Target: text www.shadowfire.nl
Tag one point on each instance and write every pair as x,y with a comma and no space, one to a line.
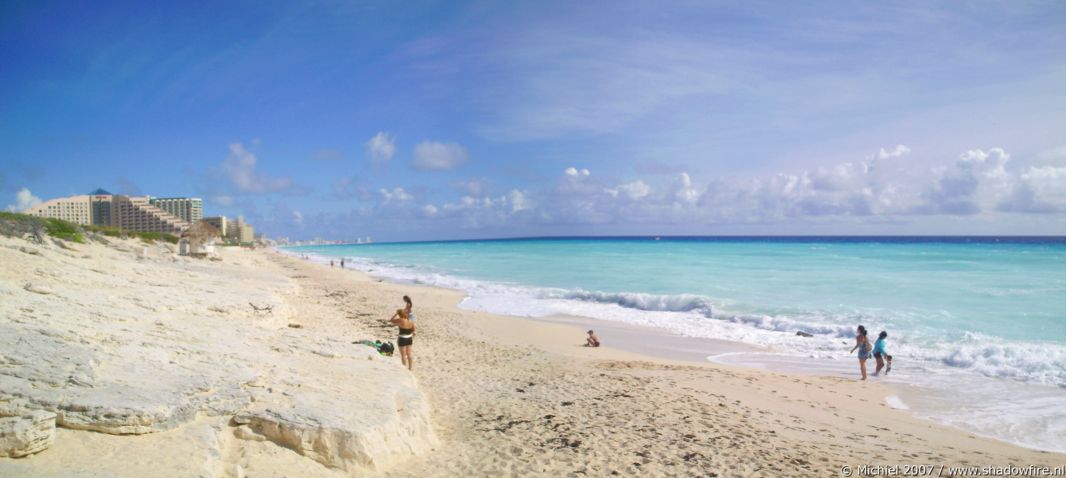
948,470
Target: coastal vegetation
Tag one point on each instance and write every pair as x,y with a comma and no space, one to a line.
18,224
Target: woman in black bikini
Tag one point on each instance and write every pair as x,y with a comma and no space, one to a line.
407,336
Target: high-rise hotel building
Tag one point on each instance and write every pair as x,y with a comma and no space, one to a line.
101,208
190,210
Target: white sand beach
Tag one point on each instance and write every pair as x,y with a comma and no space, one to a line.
150,364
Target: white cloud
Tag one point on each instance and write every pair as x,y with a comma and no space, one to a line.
381,147
297,217
971,184
899,151
635,190
1038,190
577,173
24,200
518,201
240,168
684,191
432,155
870,191
397,194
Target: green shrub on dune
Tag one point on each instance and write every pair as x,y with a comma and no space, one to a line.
69,231
64,230
106,230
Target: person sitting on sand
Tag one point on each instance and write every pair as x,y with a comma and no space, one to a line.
863,344
879,352
592,340
406,338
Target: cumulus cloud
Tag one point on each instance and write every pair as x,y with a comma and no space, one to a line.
900,150
877,188
518,201
978,177
240,168
577,173
476,212
397,194
1039,189
431,155
381,147
684,191
635,190
24,200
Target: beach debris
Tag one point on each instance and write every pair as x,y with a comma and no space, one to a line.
804,334
38,289
266,308
29,250
294,325
27,434
566,442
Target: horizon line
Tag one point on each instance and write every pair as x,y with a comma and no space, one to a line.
723,236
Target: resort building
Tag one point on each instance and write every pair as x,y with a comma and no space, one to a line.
101,208
100,201
190,210
221,224
244,232
135,213
76,209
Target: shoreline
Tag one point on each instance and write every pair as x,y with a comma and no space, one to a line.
547,333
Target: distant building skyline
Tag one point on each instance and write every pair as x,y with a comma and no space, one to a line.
132,213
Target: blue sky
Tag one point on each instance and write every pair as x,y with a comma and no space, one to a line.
434,120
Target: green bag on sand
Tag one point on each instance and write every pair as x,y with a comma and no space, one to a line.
383,348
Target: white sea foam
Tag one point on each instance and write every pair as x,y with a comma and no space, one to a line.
699,316
895,402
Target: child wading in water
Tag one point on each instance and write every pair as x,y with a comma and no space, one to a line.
879,353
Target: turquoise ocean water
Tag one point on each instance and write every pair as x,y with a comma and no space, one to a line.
981,316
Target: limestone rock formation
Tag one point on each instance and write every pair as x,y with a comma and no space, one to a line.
150,346
27,434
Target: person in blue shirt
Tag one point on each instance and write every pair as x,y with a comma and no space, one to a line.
879,352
